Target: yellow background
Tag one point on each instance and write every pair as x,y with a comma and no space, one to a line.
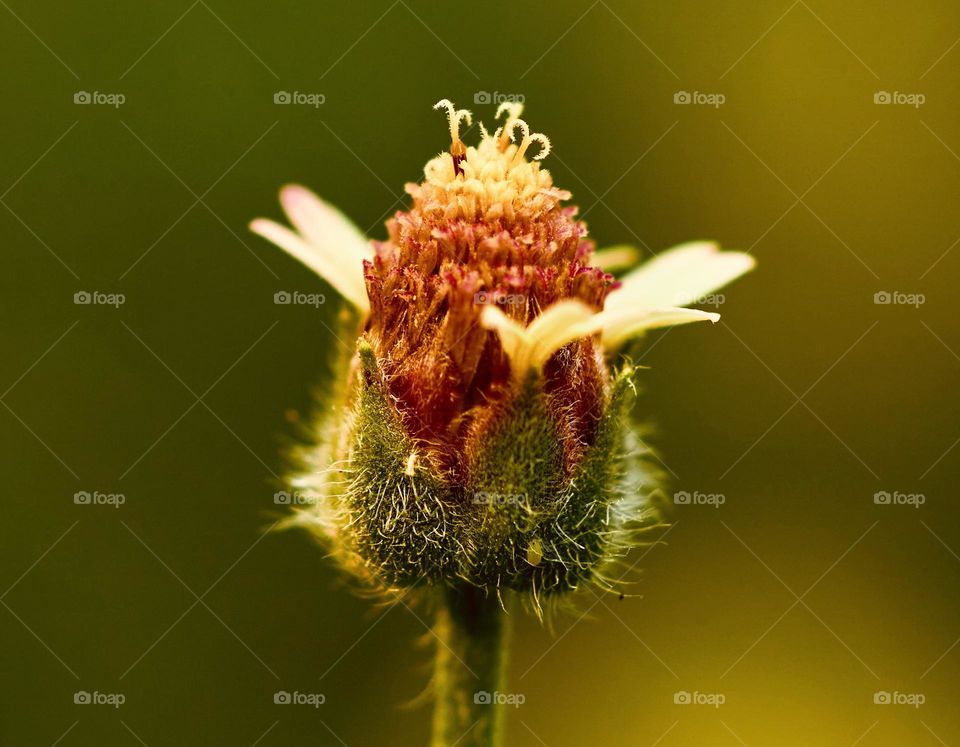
797,599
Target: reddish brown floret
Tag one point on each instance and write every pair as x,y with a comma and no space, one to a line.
427,287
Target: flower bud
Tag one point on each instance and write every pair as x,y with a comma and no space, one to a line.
481,432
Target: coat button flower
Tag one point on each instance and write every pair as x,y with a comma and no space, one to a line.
481,432
477,443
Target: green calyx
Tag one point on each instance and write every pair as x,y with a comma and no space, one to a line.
522,521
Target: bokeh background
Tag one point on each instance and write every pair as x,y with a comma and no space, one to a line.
796,600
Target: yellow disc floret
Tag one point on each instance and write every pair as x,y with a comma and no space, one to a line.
494,179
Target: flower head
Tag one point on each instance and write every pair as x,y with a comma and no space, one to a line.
483,434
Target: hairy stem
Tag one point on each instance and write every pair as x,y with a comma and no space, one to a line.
471,630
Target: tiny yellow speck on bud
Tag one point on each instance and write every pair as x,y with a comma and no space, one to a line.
535,552
411,464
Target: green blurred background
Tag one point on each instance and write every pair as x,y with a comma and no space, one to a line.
797,599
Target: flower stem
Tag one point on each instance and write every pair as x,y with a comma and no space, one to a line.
471,630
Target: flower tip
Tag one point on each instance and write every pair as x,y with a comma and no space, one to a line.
258,225
292,195
744,258
513,109
490,317
617,257
368,361
365,350
737,264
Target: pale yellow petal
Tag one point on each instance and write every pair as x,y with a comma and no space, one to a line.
612,258
323,225
531,347
346,278
680,276
513,337
560,324
619,325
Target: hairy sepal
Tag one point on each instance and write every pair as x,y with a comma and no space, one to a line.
523,519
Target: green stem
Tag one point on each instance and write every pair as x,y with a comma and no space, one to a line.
471,630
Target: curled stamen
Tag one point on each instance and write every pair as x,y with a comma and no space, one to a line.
454,116
536,137
513,109
511,127
539,137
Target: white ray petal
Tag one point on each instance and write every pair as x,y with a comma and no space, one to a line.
674,260
328,242
617,257
513,337
558,325
618,325
347,280
680,276
322,224
721,269
531,347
